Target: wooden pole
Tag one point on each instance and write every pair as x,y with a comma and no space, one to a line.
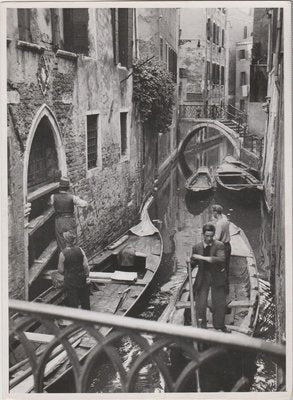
193,317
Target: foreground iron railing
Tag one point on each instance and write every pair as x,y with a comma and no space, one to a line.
153,342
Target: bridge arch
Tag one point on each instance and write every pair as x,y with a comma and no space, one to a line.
192,128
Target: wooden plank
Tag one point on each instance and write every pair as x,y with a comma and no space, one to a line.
27,384
36,223
40,264
239,303
39,337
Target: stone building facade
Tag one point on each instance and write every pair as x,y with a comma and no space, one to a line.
157,37
242,72
70,112
239,27
203,56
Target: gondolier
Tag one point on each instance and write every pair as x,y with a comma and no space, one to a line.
223,235
73,265
63,203
209,255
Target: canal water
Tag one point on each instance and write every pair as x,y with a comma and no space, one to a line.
181,218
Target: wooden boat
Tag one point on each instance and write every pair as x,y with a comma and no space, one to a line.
237,182
240,164
200,181
243,298
242,301
123,273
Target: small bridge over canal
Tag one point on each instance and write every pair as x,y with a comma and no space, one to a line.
227,120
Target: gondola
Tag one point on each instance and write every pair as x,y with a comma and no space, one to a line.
242,301
200,181
122,272
240,164
237,182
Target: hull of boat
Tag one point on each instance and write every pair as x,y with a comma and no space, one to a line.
247,194
119,296
242,304
200,182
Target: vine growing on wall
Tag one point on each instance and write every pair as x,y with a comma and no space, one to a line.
153,93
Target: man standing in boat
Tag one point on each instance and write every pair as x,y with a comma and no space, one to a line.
73,264
223,235
63,203
209,255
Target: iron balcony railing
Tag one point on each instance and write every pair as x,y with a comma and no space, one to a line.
38,368
228,115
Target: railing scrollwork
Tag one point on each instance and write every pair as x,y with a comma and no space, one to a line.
93,338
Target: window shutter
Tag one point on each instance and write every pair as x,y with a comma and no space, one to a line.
80,31
24,20
130,38
55,18
68,29
114,20
123,35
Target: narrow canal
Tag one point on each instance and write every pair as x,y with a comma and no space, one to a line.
181,219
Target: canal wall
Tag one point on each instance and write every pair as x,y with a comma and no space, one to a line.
65,91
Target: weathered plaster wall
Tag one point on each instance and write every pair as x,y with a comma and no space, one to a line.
75,88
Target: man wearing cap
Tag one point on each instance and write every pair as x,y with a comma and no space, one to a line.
73,264
63,203
223,235
209,256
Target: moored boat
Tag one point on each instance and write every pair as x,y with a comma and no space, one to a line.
200,181
240,164
122,274
242,301
237,182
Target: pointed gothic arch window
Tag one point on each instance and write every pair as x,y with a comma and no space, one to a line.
43,159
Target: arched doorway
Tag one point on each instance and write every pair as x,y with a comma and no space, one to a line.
44,163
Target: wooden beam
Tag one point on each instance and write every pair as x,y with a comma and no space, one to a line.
39,337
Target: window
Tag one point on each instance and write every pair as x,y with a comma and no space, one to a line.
92,141
123,133
194,96
222,75
242,54
24,21
161,48
208,70
172,65
218,35
242,104
243,78
214,32
122,27
245,32
223,38
217,74
43,160
75,21
209,29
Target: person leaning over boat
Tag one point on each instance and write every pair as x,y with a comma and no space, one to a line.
223,235
73,264
209,255
63,203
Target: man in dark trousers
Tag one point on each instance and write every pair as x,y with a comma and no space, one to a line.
209,255
63,203
223,235
73,265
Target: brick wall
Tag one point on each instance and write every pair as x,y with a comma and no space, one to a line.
75,87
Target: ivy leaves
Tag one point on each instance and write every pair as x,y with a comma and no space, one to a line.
153,93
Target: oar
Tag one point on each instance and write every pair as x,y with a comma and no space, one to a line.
193,317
